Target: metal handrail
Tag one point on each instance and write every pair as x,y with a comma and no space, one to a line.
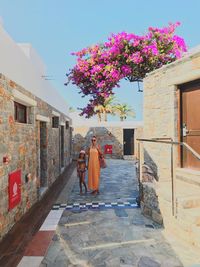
191,150
168,141
161,140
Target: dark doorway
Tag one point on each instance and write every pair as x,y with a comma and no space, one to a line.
190,123
62,146
128,142
43,154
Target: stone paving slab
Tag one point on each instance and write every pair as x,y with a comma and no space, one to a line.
108,237
117,182
104,239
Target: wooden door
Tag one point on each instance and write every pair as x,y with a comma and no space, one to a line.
128,141
190,110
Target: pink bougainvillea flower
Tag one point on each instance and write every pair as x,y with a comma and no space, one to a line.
100,68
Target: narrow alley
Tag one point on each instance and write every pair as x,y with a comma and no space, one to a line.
103,230
107,95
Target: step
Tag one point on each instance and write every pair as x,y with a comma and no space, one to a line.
187,195
189,202
187,224
187,253
183,230
188,175
187,217
182,190
190,215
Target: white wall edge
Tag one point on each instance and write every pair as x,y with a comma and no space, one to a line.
29,75
23,99
62,124
194,75
55,113
42,118
30,261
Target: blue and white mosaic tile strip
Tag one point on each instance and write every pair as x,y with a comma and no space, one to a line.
94,205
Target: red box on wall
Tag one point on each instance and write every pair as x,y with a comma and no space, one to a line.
108,149
14,189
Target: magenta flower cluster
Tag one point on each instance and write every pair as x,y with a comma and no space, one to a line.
99,68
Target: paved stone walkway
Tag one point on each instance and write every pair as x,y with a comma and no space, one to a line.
112,237
118,183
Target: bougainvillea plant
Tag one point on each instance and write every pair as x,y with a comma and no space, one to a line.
100,68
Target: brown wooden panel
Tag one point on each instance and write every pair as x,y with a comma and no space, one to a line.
193,132
191,118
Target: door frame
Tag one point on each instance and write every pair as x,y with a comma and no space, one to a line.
182,87
133,152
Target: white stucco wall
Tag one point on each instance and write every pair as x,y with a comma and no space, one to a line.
32,55
26,69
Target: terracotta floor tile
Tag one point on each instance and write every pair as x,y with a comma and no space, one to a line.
39,244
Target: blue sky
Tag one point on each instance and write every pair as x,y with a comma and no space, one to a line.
56,28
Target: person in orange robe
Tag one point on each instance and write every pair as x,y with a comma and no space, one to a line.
94,153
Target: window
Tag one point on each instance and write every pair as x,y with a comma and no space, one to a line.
55,122
20,112
66,125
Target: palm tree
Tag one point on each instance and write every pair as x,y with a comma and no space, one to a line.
99,110
106,108
124,110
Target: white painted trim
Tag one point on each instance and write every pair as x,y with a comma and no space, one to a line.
51,221
26,72
62,124
23,99
188,77
130,127
30,261
42,118
55,113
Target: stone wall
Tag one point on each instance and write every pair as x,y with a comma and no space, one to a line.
20,143
105,135
161,113
149,202
111,135
161,108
